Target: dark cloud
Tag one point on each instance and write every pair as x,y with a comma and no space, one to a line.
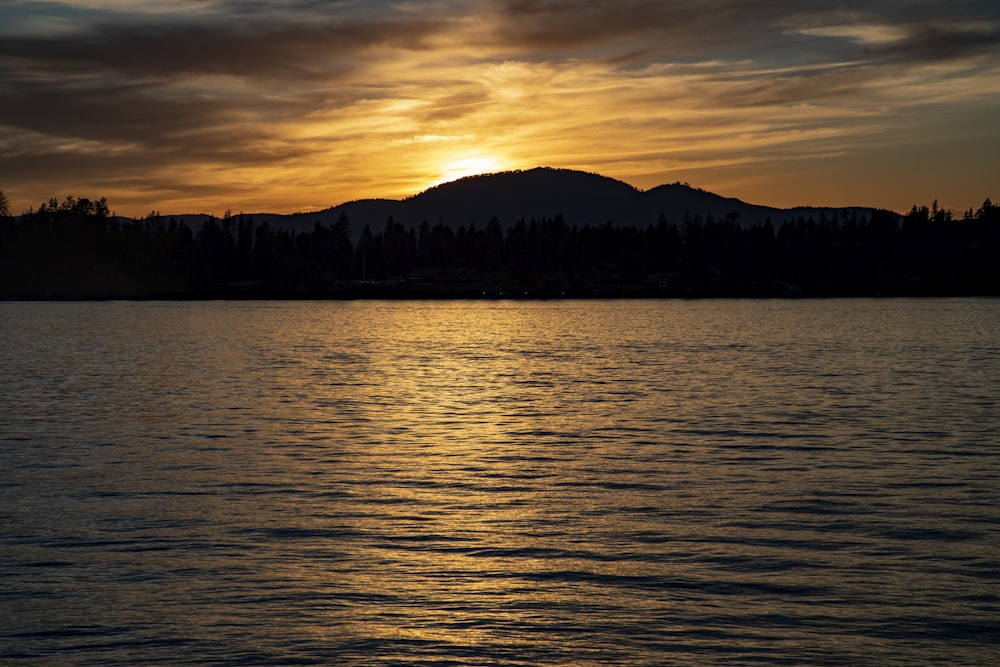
755,29
780,52
137,83
260,7
933,43
140,114
257,50
97,109
806,85
552,25
456,105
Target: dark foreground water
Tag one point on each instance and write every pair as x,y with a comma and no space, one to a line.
512,483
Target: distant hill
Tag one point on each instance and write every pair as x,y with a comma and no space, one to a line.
607,244
581,198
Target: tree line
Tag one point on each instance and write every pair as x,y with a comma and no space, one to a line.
74,248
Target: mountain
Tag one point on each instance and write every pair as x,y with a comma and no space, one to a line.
581,198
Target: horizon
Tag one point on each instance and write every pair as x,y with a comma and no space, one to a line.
404,198
291,107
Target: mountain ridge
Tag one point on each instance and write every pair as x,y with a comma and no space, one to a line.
580,197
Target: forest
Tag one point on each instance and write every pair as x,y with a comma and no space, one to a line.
75,249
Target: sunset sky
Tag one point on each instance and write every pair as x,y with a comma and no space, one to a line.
298,105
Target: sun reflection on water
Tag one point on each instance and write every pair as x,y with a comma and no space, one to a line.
513,483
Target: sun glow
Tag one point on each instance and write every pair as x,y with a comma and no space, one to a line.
469,166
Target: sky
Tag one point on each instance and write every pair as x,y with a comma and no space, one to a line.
280,106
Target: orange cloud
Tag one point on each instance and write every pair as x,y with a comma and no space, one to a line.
213,105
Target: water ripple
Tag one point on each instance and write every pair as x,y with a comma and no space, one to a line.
500,483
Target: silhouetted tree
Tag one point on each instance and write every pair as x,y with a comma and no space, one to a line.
73,247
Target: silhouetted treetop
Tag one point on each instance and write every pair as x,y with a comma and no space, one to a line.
74,248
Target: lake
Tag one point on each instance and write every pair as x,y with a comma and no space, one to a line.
500,482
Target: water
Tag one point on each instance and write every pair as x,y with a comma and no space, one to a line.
501,483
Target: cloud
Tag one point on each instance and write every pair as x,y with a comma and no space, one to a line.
180,90
772,31
309,99
257,50
923,43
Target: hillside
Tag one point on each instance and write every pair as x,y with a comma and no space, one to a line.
581,198
74,250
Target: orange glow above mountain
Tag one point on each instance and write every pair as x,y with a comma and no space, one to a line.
469,167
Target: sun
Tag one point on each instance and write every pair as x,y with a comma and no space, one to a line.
469,166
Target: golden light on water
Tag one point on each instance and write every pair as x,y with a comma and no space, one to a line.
512,482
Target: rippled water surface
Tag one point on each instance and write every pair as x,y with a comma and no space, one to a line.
501,483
